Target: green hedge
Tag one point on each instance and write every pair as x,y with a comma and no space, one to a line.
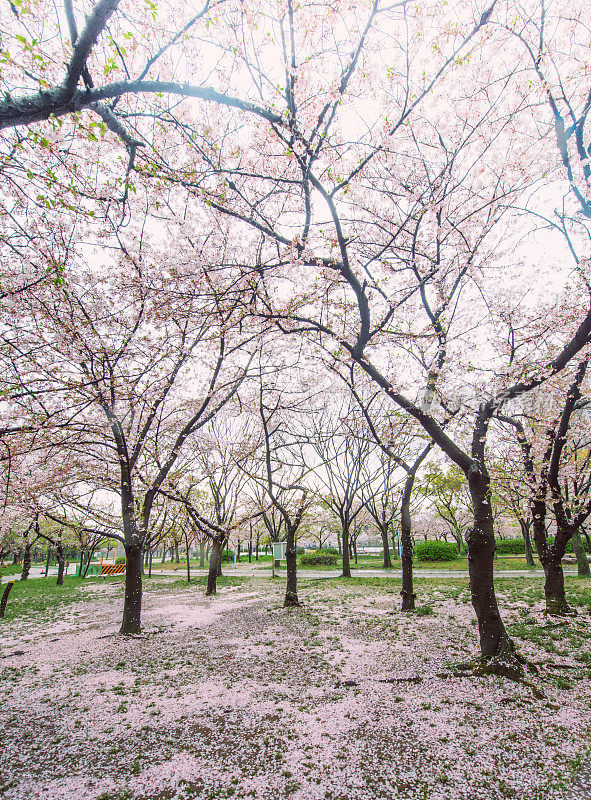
570,547
119,560
319,557
436,551
515,546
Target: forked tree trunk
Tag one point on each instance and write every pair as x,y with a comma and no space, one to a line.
291,561
61,562
550,558
214,565
132,606
581,554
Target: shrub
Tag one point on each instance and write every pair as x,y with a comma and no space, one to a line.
436,551
319,557
333,550
570,548
510,546
119,560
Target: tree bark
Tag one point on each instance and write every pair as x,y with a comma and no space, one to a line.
529,554
4,600
386,545
214,566
61,561
582,562
550,558
346,558
291,561
495,644
177,557
188,557
132,607
407,592
26,562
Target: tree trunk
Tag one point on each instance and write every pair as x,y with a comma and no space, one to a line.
81,562
524,524
355,549
291,561
26,562
201,555
177,558
495,644
386,546
550,558
214,564
582,563
188,557
150,565
47,560
132,607
90,555
407,592
345,548
61,561
556,602
4,600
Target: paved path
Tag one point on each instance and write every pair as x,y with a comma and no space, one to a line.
249,571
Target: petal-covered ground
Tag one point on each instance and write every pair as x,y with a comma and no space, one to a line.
235,697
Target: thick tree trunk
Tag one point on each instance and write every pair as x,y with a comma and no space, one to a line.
386,545
407,592
495,644
214,559
61,561
556,602
582,562
346,559
132,607
26,563
177,558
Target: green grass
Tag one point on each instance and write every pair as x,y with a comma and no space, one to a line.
41,595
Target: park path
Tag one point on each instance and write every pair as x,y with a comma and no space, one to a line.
249,571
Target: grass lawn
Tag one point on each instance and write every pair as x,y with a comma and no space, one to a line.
345,698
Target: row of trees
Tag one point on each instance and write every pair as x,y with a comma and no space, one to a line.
401,190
